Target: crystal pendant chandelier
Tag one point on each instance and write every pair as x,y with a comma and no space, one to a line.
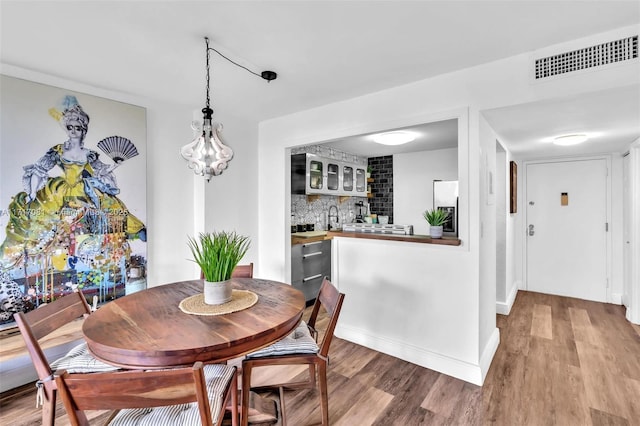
207,155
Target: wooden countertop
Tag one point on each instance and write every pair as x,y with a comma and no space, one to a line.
424,239
308,237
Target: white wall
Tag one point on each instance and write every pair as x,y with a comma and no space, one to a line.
497,84
413,176
519,228
508,248
411,301
486,186
632,290
274,210
514,258
170,196
230,198
502,191
615,228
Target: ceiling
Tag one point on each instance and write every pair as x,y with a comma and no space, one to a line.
428,136
323,52
611,120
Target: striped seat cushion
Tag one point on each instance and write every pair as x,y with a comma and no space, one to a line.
298,342
217,379
80,360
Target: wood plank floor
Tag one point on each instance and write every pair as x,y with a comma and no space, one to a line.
561,361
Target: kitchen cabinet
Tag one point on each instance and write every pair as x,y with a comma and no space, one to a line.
310,263
361,184
313,174
347,177
333,176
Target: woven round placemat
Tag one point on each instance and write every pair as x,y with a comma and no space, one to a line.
240,299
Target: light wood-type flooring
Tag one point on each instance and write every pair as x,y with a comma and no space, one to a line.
561,361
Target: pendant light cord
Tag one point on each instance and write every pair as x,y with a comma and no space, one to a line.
234,63
267,75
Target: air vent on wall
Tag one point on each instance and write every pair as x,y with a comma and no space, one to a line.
588,57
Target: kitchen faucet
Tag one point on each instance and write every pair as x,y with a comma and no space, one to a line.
330,216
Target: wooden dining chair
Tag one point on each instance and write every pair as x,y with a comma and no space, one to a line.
299,348
240,271
187,396
243,271
37,324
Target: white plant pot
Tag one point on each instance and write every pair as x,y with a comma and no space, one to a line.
217,293
435,231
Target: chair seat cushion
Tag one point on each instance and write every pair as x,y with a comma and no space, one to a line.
299,341
217,378
80,360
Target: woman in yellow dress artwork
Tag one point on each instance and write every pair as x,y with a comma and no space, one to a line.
71,222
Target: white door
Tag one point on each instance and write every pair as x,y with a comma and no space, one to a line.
566,228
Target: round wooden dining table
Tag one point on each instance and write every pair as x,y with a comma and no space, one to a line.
148,329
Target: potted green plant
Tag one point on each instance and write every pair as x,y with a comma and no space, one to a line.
369,170
436,219
217,254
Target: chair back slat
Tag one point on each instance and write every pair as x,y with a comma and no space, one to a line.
243,271
330,299
240,271
42,321
51,316
134,389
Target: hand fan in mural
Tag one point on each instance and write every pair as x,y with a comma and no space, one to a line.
118,148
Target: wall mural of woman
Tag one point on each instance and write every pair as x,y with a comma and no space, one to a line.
68,228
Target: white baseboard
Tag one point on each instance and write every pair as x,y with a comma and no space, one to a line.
489,352
616,298
17,372
463,370
632,316
504,308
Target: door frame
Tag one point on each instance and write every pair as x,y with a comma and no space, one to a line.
525,221
633,312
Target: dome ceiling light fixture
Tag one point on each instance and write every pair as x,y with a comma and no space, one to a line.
206,155
572,139
397,137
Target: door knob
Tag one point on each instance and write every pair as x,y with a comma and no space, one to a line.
531,231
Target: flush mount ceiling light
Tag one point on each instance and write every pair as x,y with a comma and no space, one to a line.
567,140
207,155
394,138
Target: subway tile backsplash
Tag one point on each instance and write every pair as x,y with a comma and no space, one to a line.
382,186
